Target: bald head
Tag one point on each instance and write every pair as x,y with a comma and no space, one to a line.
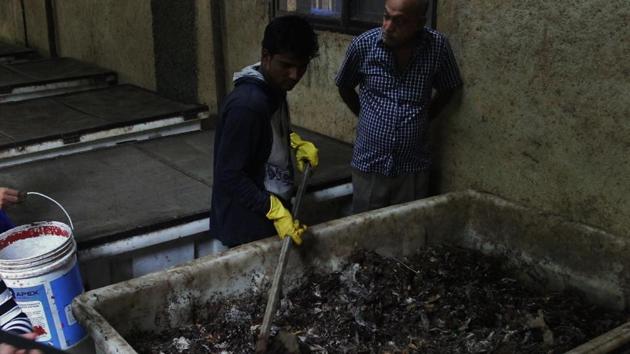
410,7
402,21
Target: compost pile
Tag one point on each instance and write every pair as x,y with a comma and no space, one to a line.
441,300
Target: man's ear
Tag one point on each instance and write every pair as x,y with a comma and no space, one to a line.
265,54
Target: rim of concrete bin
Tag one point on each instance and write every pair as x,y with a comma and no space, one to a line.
469,218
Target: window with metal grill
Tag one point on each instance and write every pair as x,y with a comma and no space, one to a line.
346,16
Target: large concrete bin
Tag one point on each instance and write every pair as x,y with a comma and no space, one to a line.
556,252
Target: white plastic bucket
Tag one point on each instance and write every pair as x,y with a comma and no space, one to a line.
39,263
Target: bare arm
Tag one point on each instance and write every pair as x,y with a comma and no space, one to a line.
350,98
439,101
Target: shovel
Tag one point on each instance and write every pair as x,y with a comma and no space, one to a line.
276,285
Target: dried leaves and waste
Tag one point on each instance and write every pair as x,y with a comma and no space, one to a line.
440,300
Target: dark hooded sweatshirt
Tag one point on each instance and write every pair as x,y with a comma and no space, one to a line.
243,143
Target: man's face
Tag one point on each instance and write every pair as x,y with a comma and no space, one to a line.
402,20
283,70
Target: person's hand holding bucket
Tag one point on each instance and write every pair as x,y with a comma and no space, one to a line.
38,261
8,196
9,349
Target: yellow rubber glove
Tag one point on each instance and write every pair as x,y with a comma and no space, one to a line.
305,151
283,221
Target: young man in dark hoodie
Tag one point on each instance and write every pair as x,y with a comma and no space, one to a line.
253,172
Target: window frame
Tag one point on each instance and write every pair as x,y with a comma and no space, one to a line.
344,24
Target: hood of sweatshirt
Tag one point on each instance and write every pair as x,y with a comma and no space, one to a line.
251,75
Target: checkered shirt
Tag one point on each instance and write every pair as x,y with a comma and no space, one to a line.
393,122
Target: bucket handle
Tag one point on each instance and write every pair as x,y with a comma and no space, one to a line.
56,202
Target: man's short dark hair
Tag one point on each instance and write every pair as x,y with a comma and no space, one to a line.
291,35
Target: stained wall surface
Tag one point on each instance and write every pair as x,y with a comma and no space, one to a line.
11,23
543,118
157,44
315,102
245,22
115,34
37,26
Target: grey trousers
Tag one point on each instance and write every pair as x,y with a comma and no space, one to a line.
373,190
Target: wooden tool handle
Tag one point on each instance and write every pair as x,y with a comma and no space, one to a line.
276,285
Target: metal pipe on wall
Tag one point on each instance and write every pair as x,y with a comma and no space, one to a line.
51,23
433,9
218,24
24,22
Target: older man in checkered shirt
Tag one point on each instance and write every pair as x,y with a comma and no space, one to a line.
396,67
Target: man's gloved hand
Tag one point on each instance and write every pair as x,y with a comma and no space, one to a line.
283,221
305,150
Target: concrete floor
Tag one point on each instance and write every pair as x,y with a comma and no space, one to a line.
113,192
